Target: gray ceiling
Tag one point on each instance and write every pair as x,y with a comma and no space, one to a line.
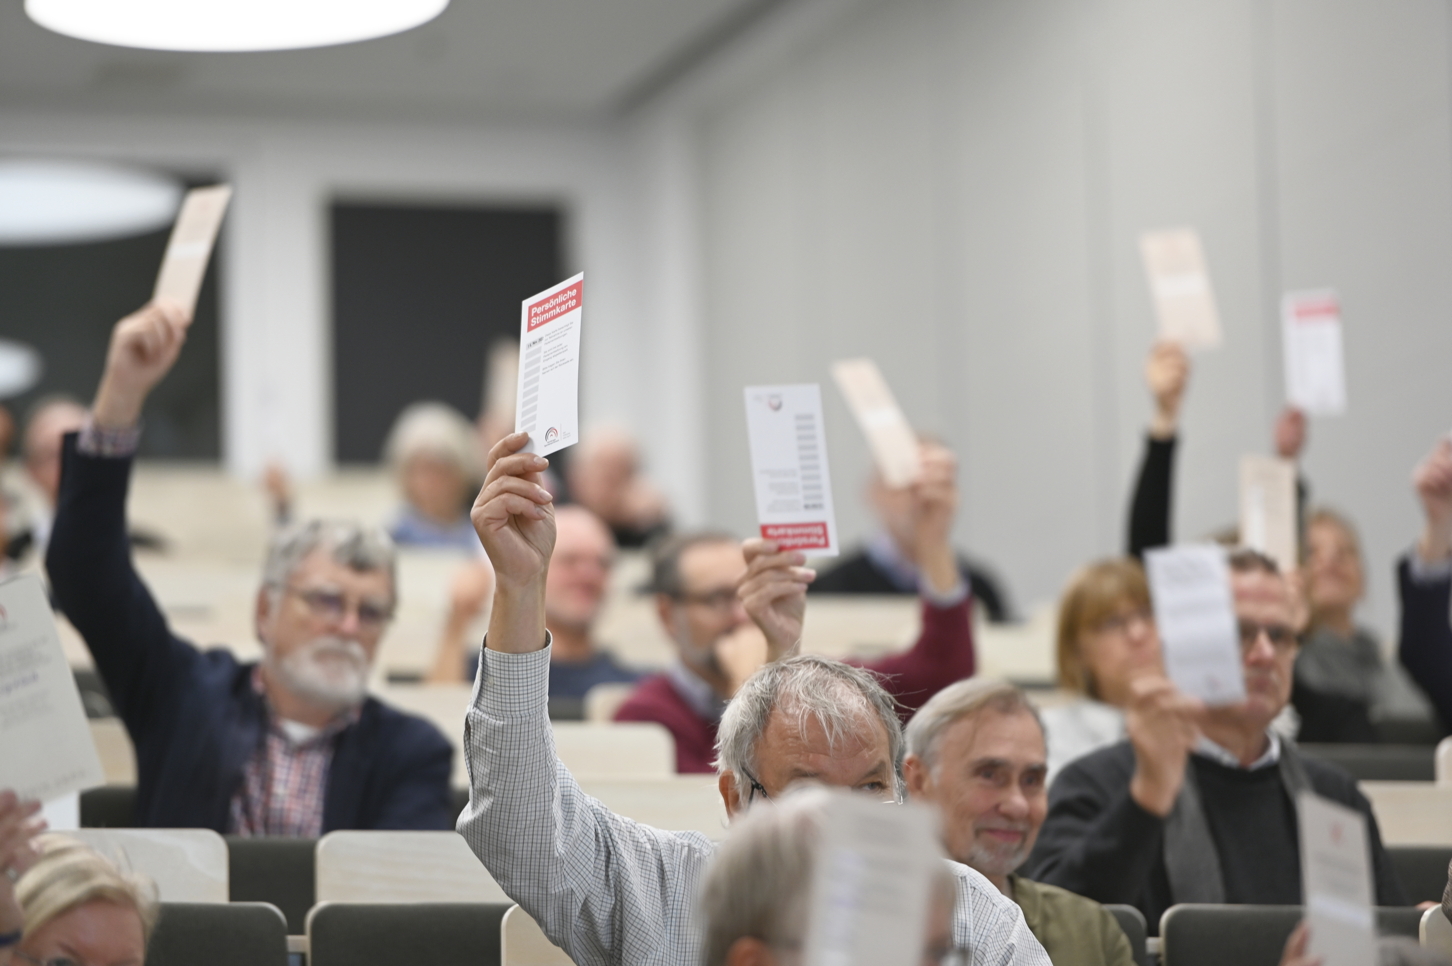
536,59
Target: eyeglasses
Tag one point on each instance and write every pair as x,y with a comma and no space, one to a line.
756,786
717,600
1282,638
331,606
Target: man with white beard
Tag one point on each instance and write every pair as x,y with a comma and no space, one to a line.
976,751
289,746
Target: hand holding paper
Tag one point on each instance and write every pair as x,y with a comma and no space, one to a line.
1163,725
1167,373
144,347
547,404
774,593
1433,482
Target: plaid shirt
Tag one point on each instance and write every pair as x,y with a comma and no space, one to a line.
605,888
284,781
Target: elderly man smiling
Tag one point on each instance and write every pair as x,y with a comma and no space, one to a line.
605,888
976,751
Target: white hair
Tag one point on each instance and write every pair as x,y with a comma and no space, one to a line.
436,430
956,702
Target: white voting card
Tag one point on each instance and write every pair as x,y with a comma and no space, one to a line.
547,404
190,247
1199,635
892,440
1315,364
46,749
1268,508
1179,282
872,884
1336,882
789,468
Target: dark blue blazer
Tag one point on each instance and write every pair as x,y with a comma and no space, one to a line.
1426,642
193,715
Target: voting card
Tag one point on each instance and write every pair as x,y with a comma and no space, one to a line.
1268,509
190,247
547,402
872,884
1336,882
789,468
1315,364
1179,282
892,440
1195,613
46,749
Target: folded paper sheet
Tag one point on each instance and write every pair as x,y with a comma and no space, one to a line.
1336,882
547,402
1315,362
872,885
1179,281
190,248
1199,636
1268,508
46,749
892,440
789,468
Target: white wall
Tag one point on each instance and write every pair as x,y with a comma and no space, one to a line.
956,186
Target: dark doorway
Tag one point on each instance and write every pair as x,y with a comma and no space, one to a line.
64,300
419,295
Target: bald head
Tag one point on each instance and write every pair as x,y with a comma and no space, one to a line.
579,571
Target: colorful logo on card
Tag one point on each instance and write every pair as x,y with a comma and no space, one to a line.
551,435
773,403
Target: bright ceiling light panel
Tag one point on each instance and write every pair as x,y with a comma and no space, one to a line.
44,202
20,368
234,25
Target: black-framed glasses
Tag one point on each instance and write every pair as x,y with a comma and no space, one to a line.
756,786
332,606
1282,638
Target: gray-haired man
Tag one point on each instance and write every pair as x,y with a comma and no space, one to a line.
976,750
605,888
291,746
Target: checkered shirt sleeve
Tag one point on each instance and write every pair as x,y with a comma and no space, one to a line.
606,889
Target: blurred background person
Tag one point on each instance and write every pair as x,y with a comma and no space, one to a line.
605,477
1106,638
1424,578
976,752
431,451
892,562
575,595
756,897
46,423
63,902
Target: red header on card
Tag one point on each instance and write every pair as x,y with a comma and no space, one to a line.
1316,310
797,536
553,306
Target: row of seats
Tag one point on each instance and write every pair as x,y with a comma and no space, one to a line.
486,934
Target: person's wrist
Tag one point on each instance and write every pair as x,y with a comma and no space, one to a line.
1164,423
115,407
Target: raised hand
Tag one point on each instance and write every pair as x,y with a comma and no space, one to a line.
18,828
514,514
144,347
1166,372
934,504
1290,433
1433,481
1163,726
774,592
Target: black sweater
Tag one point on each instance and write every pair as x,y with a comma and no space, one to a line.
1097,841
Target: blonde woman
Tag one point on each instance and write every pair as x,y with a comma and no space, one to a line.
1106,638
62,902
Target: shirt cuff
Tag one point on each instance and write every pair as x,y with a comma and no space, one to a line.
102,441
514,685
951,598
1428,573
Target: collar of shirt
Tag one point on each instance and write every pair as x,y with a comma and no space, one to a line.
1206,748
699,696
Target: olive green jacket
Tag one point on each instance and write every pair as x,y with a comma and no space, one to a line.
1075,931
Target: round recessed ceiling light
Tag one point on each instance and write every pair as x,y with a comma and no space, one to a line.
55,202
20,368
231,24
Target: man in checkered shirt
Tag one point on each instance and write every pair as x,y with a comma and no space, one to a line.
611,890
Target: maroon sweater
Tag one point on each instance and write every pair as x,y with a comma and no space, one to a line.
943,654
